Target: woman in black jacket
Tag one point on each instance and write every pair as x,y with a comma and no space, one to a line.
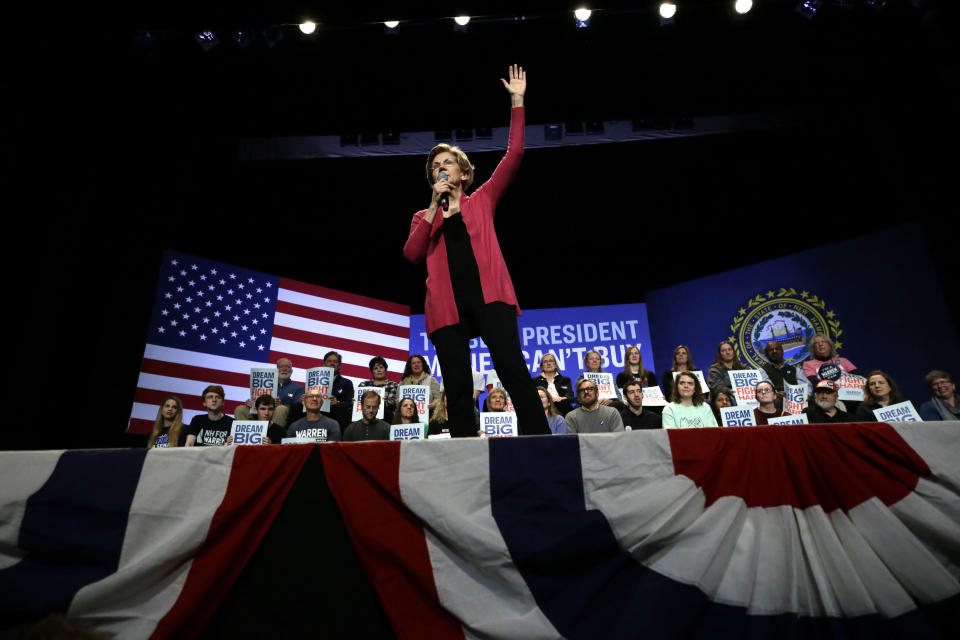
558,386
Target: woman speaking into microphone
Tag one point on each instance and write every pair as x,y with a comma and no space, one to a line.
469,291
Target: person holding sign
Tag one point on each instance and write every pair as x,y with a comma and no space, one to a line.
558,426
687,409
406,412
780,371
288,394
824,408
212,429
766,395
682,361
634,417
314,425
945,403
823,351
369,427
168,425
633,369
378,367
469,291
726,360
591,416
558,386
720,401
417,372
265,410
496,400
593,363
879,390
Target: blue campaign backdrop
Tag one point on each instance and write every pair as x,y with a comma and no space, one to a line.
877,296
567,333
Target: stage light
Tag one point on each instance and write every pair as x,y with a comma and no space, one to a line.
808,8
582,16
462,20
668,10
272,34
743,6
307,28
244,37
391,24
206,39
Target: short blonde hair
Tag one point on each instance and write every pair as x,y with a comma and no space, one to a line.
464,163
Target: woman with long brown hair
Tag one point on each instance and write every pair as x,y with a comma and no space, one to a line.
168,425
682,361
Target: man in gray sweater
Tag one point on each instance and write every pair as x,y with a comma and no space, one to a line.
591,416
369,427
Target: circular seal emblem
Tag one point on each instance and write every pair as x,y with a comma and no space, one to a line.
789,317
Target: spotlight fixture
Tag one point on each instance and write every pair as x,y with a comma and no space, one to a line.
460,23
244,37
582,16
742,6
667,12
272,34
808,8
391,24
307,28
206,39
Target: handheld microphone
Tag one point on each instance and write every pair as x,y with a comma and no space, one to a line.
444,197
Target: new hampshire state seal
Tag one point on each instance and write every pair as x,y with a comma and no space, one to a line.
786,316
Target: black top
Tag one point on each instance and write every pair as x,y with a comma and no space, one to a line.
464,272
625,376
646,420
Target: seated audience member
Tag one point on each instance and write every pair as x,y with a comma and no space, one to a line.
378,368
780,371
591,416
634,416
212,429
558,386
687,408
265,408
440,420
766,395
682,361
168,425
822,408
417,372
558,426
593,363
496,400
945,403
314,424
369,427
726,360
719,401
341,393
633,369
406,412
879,390
288,394
823,351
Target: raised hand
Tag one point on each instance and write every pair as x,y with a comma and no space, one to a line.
517,85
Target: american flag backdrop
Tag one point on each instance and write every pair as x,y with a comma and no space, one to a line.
212,322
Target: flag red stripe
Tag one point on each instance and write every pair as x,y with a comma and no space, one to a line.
349,370
365,481
138,425
351,298
201,374
334,342
260,479
338,318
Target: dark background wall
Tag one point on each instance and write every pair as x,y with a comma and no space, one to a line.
129,150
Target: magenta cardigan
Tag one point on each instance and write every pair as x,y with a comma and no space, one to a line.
426,241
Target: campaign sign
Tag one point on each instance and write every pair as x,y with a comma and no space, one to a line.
358,405
493,380
604,381
498,424
248,431
900,412
439,436
829,371
263,382
321,378
744,383
851,387
420,394
653,397
408,432
699,375
797,419
737,417
796,399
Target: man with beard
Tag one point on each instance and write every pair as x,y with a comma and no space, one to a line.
780,371
823,408
288,394
369,427
634,417
591,416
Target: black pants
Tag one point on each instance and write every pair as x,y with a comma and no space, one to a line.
496,323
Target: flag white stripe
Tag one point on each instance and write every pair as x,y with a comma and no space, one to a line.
343,308
164,532
203,360
316,352
340,331
476,581
21,475
187,387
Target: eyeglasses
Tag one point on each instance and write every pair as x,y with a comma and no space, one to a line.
449,162
941,383
759,391
587,388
